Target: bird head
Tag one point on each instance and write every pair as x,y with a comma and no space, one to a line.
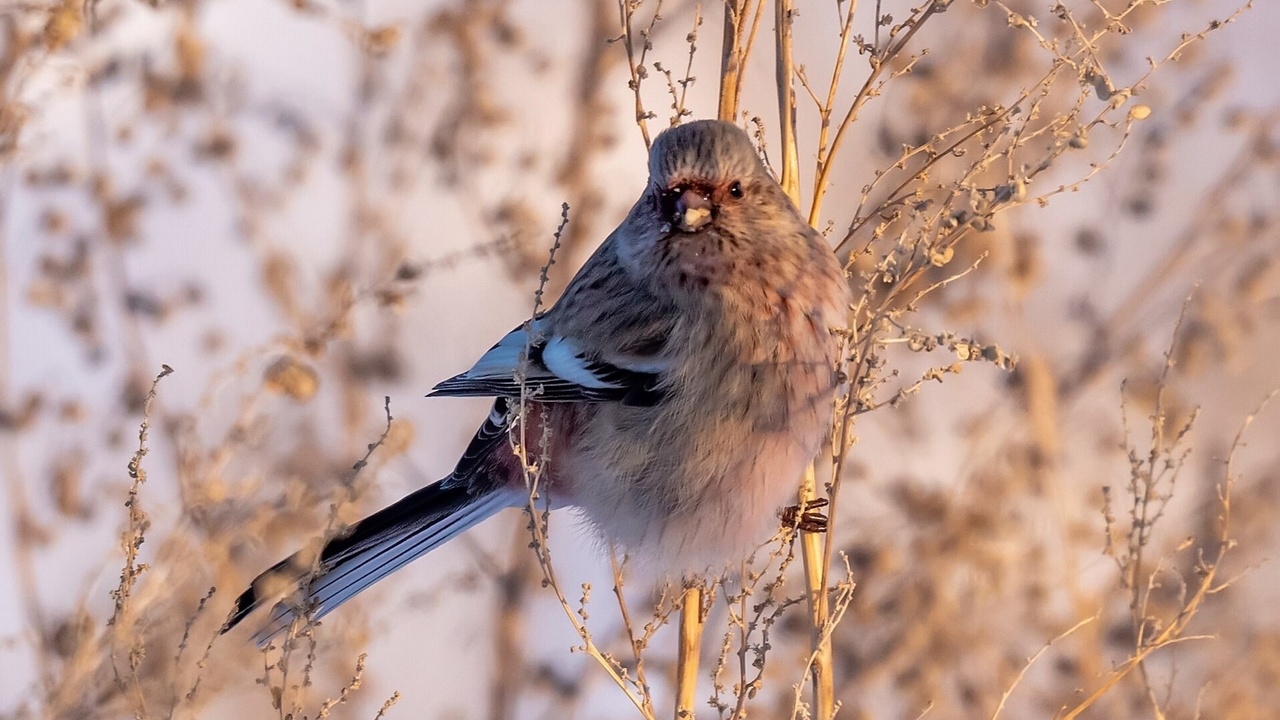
702,172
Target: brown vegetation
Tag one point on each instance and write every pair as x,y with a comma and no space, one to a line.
231,245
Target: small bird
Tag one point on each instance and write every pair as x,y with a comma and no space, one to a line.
681,383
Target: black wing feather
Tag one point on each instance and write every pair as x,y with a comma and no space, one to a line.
633,387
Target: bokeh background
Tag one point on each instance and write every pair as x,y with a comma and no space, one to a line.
303,207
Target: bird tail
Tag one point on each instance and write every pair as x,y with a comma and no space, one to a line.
368,551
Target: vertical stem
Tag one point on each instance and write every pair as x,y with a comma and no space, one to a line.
790,180
812,545
813,551
691,623
730,60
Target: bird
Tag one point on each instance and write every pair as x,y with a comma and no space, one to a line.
678,388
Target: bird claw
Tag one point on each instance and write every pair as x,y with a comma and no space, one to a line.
810,519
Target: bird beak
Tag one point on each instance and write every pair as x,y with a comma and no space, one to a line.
693,210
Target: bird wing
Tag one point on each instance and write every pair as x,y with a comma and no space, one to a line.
605,340
554,368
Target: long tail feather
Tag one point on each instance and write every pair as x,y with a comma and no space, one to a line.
372,549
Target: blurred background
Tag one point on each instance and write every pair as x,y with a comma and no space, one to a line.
303,207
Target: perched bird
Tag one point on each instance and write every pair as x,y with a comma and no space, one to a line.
681,382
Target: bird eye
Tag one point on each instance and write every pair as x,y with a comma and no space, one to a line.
736,189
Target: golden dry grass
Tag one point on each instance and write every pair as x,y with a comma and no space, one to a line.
1041,500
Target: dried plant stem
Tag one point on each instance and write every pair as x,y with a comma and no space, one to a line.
731,59
1004,699
680,107
880,61
825,701
1208,584
814,550
790,180
537,526
736,48
692,620
637,643
825,109
533,467
814,554
123,615
1164,640
626,11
